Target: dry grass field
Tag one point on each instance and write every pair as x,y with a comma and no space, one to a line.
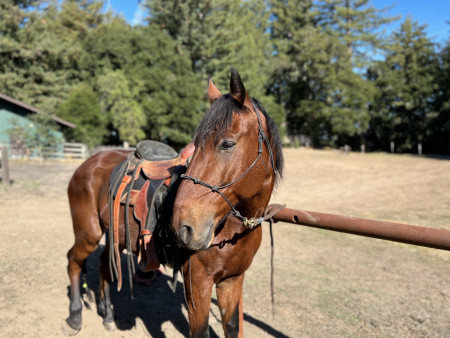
327,284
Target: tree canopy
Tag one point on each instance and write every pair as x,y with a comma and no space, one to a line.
321,68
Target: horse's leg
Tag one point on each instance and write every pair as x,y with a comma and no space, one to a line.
104,304
229,297
198,289
77,256
88,233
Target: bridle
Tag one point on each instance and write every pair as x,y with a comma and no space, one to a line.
262,138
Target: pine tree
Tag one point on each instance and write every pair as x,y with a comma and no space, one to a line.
146,87
15,17
170,92
318,46
295,41
79,17
109,46
47,61
38,59
356,23
219,34
439,126
406,89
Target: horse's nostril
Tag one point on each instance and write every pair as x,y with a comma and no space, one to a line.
186,233
189,229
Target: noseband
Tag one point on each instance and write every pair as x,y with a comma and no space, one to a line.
252,222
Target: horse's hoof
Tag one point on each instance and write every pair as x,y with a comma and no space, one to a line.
68,330
110,326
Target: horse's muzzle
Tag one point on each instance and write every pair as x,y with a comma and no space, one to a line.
193,238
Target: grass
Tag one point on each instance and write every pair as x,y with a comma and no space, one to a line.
404,188
327,284
346,285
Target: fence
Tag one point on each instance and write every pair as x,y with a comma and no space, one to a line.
4,165
75,150
111,147
66,150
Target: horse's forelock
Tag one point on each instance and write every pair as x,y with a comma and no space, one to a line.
216,121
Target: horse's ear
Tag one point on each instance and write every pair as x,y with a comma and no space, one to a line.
237,89
213,92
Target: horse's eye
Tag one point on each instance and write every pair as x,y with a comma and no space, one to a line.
227,145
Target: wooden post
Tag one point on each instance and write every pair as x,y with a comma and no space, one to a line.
392,147
5,165
347,149
419,148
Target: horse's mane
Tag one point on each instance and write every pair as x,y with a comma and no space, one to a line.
219,117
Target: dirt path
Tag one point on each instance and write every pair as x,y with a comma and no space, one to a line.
327,284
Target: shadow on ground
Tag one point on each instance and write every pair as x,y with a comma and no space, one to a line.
152,305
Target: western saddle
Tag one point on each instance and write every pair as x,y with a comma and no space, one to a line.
137,182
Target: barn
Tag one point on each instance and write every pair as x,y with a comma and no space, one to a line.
13,114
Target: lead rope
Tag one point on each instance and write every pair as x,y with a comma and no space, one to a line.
190,285
272,284
269,217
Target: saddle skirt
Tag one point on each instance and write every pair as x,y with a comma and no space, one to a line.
141,182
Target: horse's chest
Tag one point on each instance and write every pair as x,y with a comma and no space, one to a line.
231,255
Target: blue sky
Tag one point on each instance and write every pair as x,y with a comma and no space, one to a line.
434,13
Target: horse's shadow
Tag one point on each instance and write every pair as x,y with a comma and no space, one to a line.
152,305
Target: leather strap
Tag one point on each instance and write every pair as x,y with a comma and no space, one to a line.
147,260
125,181
145,232
134,194
141,206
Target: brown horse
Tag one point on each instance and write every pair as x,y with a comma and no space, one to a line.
239,151
234,166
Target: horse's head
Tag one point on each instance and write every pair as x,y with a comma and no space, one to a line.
236,160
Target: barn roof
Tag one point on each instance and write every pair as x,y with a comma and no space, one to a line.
35,110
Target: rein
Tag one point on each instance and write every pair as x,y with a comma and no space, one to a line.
262,138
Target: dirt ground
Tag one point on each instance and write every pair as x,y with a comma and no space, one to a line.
327,284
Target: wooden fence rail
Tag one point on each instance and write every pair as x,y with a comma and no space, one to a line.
75,150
